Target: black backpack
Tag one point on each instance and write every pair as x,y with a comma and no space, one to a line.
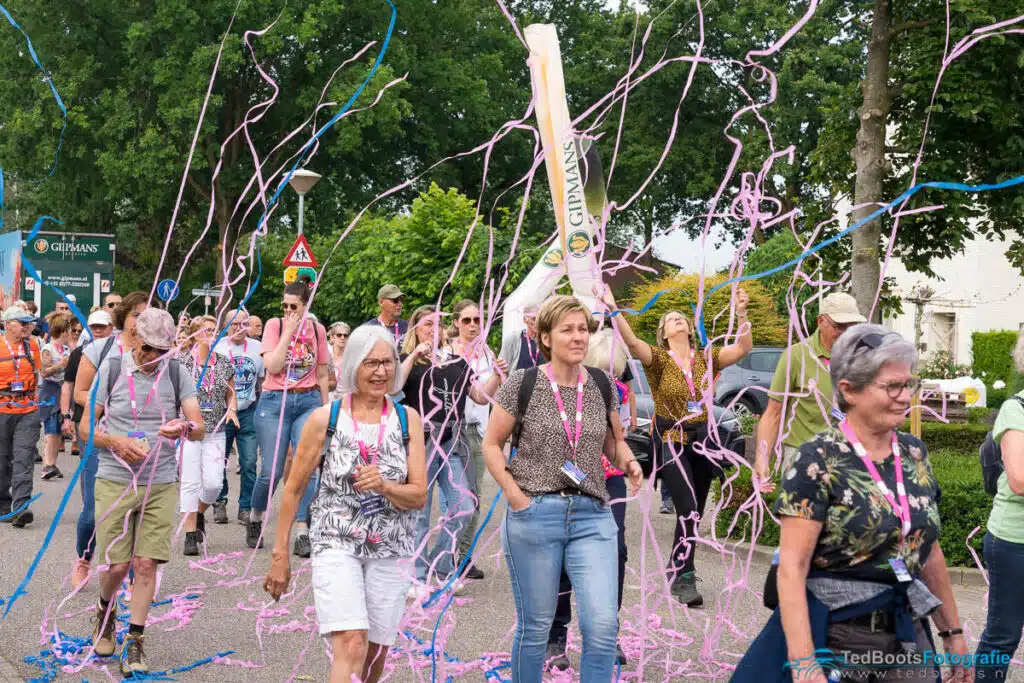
526,391
991,457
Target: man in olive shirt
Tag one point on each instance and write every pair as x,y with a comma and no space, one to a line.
802,387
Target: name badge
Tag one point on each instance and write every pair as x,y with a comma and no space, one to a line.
693,406
206,405
574,473
900,569
17,386
140,440
370,506
837,415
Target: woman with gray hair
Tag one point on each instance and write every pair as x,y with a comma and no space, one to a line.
859,565
337,337
1004,539
372,482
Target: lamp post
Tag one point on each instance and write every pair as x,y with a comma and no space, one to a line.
302,181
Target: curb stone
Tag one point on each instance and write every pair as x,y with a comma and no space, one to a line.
971,577
8,674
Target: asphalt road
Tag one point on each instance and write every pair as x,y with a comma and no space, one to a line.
215,604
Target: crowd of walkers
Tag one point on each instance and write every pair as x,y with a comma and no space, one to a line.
364,425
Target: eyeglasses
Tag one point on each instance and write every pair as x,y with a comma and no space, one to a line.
895,389
290,307
112,304
146,348
375,364
467,321
843,327
341,335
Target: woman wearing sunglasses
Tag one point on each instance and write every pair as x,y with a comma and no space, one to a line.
338,335
296,359
859,565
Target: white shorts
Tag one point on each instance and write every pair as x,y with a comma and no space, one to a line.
358,594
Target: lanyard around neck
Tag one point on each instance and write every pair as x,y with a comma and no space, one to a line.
149,397
687,372
902,510
363,449
574,438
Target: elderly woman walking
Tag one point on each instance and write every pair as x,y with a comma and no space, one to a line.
860,568
372,483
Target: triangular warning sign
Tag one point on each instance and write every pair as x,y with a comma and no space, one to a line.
300,254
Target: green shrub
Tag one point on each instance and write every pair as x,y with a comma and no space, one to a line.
996,397
964,506
990,352
963,438
978,415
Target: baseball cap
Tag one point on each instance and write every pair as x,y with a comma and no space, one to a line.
101,318
72,298
18,313
389,292
156,328
841,308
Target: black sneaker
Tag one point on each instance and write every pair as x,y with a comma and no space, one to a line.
4,519
252,534
474,573
220,513
555,657
38,459
51,472
684,590
133,659
191,544
620,656
303,548
22,519
666,509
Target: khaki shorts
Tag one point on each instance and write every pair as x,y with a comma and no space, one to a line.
149,529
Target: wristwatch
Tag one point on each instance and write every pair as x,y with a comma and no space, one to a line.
69,416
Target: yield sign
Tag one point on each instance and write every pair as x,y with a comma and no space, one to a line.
300,254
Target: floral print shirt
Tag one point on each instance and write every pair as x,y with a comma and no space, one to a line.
828,483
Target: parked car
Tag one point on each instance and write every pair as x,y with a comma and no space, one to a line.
734,385
729,430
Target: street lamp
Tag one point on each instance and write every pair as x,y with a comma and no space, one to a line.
302,181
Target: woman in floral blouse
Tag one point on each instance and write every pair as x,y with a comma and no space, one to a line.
859,566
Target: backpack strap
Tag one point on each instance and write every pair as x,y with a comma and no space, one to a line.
28,355
106,349
605,385
174,371
526,386
115,370
403,420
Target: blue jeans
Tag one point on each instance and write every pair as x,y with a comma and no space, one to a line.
447,468
578,533
245,434
274,444
1005,562
85,542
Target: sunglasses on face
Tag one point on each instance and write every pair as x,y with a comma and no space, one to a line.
397,300
112,304
146,348
341,335
868,341
467,321
375,364
290,307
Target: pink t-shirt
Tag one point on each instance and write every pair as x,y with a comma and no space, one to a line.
304,354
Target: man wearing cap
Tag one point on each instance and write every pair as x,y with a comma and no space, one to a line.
101,326
139,396
20,360
390,298
803,383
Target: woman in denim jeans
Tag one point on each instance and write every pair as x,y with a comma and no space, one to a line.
1004,540
558,505
437,383
296,359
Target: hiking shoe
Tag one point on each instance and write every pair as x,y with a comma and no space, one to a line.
22,519
220,513
80,574
555,657
252,534
684,590
620,656
474,573
133,659
243,517
303,548
51,472
103,630
666,509
5,517
191,544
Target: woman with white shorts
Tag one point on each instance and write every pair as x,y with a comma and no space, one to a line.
202,462
363,518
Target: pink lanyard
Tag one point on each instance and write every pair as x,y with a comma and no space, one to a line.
363,450
231,356
574,442
902,510
208,375
397,332
687,373
149,397
15,359
529,348
827,362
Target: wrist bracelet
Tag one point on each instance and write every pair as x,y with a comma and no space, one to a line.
951,632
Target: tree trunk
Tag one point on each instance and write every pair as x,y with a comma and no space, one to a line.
872,167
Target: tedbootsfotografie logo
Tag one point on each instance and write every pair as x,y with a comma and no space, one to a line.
901,665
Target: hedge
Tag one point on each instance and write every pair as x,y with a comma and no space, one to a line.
990,354
964,505
964,438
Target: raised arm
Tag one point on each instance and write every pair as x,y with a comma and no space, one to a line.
639,349
275,359
737,351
